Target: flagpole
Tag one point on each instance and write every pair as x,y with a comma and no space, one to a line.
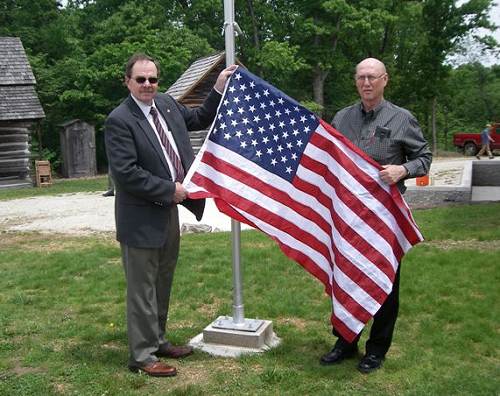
243,335
238,308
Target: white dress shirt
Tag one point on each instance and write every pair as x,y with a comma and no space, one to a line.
146,109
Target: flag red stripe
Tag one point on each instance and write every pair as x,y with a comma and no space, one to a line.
250,180
348,268
350,304
341,328
359,277
308,264
265,215
354,203
305,261
231,212
385,198
346,231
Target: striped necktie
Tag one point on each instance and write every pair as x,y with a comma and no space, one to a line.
174,158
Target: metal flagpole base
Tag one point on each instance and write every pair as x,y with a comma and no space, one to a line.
223,337
227,323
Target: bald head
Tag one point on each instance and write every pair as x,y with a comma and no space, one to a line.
372,63
371,79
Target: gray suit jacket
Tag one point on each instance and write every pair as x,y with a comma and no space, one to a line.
144,186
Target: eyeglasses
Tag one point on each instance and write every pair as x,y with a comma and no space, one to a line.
369,78
141,80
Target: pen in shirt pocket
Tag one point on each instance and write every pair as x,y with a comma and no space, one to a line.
371,137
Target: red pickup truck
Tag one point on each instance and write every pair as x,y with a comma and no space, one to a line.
470,143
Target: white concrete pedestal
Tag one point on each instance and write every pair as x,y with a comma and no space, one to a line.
234,342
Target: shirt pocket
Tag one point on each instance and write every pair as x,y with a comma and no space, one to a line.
381,149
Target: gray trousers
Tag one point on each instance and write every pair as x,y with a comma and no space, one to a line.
149,274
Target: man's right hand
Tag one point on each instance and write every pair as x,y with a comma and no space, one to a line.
180,193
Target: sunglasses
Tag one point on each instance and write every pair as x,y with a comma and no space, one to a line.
141,80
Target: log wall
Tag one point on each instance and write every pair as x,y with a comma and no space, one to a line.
14,153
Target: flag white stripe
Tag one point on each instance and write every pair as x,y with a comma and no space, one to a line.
361,162
370,170
253,195
286,239
356,292
349,251
346,317
360,191
274,206
275,181
362,263
377,241
307,199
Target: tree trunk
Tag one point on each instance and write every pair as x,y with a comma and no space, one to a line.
255,29
319,78
445,112
320,74
434,130
255,34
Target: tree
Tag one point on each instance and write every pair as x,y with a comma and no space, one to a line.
444,25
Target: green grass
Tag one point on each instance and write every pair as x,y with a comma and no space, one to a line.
63,331
59,186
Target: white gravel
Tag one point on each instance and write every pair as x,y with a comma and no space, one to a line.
84,213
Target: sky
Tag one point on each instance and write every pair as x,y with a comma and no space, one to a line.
495,18
487,60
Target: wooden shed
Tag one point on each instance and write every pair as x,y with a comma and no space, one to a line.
78,149
20,108
194,85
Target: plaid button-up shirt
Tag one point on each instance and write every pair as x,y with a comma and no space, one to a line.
389,134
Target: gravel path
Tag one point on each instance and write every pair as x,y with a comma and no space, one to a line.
85,213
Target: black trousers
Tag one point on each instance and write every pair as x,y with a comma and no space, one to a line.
383,325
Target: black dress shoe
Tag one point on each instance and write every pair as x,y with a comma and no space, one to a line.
337,354
369,363
109,194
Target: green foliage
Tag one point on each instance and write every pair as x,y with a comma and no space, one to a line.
279,62
473,97
313,106
43,153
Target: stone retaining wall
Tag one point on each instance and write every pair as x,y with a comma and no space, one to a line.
475,173
431,196
486,173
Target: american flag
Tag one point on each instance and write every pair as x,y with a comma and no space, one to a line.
271,163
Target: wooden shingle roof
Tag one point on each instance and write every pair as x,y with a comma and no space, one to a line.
18,98
193,75
195,84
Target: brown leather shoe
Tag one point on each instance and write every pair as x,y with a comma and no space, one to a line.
175,352
155,369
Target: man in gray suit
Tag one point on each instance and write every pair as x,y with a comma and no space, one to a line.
149,153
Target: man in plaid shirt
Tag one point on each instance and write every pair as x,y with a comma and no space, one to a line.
391,136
